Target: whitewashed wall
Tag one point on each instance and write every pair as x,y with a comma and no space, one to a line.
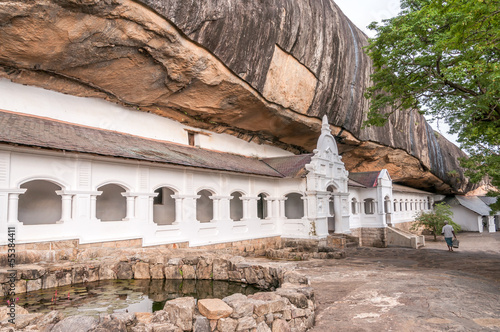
468,220
81,178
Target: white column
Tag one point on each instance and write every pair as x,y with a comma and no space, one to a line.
269,210
304,202
130,214
178,209
66,200
281,213
337,212
12,215
216,203
151,208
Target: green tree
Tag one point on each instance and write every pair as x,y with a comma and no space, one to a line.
442,57
434,220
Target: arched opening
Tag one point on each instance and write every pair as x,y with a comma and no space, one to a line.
40,204
236,206
406,205
262,206
369,205
401,206
294,206
395,205
354,206
204,206
111,205
428,203
164,206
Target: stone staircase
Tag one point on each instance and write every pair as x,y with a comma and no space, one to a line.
342,241
400,238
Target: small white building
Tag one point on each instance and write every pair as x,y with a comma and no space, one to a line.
472,213
74,168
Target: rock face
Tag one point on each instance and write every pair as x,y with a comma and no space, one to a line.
264,72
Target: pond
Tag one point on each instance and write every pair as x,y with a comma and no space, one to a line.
112,296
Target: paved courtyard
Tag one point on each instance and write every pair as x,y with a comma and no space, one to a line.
400,289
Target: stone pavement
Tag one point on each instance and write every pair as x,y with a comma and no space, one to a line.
400,289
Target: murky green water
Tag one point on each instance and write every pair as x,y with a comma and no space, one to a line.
124,295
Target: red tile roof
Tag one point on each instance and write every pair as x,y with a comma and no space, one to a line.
290,166
29,130
367,179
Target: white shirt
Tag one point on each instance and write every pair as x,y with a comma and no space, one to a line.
448,230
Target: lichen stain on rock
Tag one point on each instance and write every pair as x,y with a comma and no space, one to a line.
207,65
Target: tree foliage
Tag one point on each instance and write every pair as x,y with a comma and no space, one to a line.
442,57
434,220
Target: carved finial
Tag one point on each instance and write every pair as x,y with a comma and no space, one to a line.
325,127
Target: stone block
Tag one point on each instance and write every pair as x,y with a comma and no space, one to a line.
124,270
188,271
180,312
144,317
214,308
49,281
201,324
76,324
227,325
279,325
141,271
33,285
20,286
296,298
204,268
219,268
167,327
263,327
246,323
173,272
156,271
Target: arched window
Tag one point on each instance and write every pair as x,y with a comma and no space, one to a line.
406,205
294,206
354,206
236,206
262,207
428,203
369,206
411,205
401,206
204,206
111,205
164,206
40,204
396,205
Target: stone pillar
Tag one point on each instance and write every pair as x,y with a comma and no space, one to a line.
305,206
337,213
130,214
93,205
65,206
13,208
269,210
178,209
281,213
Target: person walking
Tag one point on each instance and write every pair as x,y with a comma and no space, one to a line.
449,233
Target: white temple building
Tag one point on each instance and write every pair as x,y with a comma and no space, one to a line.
74,168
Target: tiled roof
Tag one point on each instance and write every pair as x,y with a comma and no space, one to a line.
352,183
30,130
488,200
367,179
474,204
290,166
